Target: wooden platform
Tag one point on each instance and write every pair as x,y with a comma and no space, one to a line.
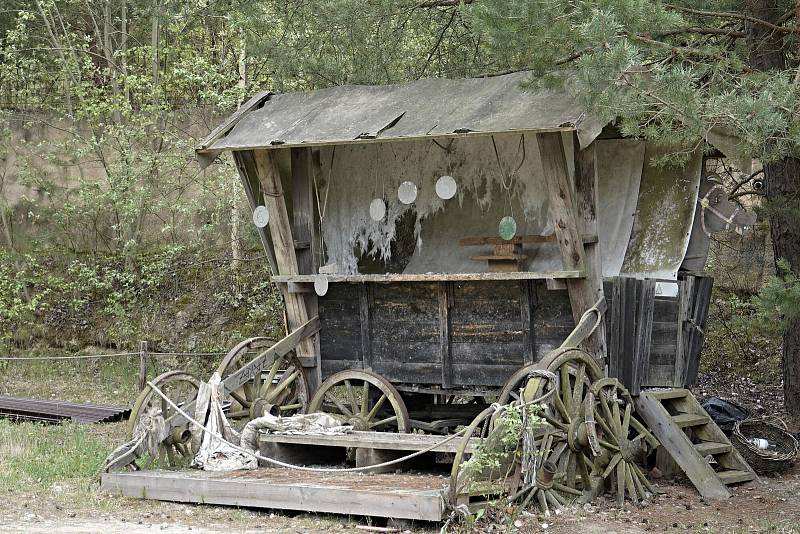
372,440
398,496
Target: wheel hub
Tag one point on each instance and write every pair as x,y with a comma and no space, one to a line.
260,408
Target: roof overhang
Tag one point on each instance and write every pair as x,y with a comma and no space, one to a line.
425,109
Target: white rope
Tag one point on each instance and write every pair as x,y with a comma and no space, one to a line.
300,467
497,407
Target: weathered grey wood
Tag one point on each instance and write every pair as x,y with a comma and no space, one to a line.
373,440
644,330
563,216
680,447
438,277
246,165
616,328
366,326
587,203
282,240
526,317
685,292
333,495
701,302
589,237
445,298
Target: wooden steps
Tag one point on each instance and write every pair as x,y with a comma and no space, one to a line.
690,436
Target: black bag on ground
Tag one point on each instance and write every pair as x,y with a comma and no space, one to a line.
725,413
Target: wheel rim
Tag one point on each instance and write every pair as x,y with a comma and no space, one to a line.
181,388
362,399
621,438
280,389
576,370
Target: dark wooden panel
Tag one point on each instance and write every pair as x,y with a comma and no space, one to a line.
334,366
482,375
417,373
489,353
406,351
660,375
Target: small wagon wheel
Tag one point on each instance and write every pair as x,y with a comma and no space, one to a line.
622,439
468,476
576,370
150,411
280,388
363,399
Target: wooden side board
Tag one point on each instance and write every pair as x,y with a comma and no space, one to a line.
326,493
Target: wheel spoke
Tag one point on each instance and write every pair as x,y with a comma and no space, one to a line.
626,420
364,399
288,407
273,371
285,383
612,464
383,421
374,411
241,400
566,390
342,410
620,484
351,397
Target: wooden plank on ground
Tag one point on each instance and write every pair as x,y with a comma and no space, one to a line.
322,493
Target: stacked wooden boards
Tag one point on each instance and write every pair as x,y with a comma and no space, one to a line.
469,333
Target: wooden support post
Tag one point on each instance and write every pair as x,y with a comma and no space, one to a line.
445,299
563,215
587,204
280,230
305,239
142,365
246,165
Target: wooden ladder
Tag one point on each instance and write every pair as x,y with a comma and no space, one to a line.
692,438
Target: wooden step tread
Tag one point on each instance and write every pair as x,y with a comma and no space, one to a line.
671,393
704,448
690,419
733,476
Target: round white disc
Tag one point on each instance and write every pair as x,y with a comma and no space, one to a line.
320,285
261,216
446,187
377,209
407,192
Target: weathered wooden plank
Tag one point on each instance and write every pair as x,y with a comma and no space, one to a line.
418,373
702,300
406,351
685,292
644,329
248,174
489,353
526,317
482,375
437,277
332,495
283,241
587,203
445,297
680,448
366,326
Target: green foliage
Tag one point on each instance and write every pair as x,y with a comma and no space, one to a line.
778,303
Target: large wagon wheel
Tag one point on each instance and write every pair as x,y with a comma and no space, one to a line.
149,412
575,370
363,399
624,439
282,391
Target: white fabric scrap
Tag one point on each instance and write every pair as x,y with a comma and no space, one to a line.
215,454
300,424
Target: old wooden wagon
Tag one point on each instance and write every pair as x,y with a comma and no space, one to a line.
437,242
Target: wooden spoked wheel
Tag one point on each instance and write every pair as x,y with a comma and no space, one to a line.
150,411
570,450
469,476
623,438
363,399
279,388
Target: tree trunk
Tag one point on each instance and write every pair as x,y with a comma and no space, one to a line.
782,190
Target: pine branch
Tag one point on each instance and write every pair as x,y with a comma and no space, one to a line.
736,16
443,3
704,31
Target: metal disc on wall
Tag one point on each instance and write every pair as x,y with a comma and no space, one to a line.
507,228
261,216
377,209
320,285
407,192
446,187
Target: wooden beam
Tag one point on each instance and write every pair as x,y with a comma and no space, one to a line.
587,205
518,240
246,165
437,277
280,230
563,215
445,298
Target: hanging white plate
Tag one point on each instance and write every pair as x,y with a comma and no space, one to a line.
407,192
261,216
446,187
377,209
320,285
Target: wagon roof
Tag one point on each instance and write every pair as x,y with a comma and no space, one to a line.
422,109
